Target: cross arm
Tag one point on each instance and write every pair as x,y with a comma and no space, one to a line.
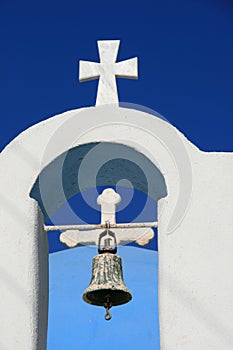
88,70
140,235
127,68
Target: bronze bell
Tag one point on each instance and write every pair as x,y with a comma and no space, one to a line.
107,287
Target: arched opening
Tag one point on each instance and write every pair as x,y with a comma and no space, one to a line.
24,250
140,184
95,165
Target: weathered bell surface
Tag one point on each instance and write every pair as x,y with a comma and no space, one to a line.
107,287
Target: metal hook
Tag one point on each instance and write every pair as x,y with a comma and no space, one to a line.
107,232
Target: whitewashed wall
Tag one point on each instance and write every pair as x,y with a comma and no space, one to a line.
195,228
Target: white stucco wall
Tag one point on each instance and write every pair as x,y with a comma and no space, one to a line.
195,228
196,262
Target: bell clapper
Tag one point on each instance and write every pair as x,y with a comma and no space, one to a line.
107,306
108,315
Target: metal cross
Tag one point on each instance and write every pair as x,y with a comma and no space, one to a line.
107,71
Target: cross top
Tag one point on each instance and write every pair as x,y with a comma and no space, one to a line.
108,201
107,71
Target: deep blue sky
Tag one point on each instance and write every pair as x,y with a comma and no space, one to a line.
185,51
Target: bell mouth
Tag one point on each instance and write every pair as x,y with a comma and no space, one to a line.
99,297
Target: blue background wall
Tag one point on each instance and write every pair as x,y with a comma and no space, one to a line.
73,324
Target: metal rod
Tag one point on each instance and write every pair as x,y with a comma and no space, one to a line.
98,226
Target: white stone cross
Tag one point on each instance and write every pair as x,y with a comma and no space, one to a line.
108,201
107,71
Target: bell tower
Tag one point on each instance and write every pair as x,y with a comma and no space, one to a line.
195,220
